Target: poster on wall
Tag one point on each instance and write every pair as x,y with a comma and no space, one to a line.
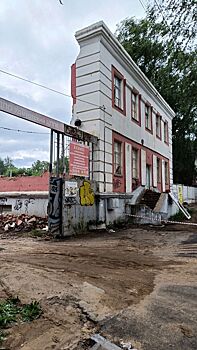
79,159
71,189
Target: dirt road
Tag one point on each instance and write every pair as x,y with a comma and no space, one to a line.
136,285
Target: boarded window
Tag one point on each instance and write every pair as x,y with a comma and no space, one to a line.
5,208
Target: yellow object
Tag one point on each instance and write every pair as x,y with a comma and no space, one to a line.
86,194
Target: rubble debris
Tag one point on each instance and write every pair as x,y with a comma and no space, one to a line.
11,223
102,343
127,346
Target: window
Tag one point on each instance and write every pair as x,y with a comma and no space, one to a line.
117,158
5,208
158,126
166,173
148,117
134,106
158,170
118,91
135,163
166,132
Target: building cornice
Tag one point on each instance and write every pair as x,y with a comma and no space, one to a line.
100,30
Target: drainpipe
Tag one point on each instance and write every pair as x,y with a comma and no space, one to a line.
104,175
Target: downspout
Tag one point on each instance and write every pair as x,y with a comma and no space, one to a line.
104,175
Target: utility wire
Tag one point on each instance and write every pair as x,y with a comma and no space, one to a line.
141,2
161,9
46,87
25,131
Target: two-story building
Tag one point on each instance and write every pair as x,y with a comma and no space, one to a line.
131,119
115,101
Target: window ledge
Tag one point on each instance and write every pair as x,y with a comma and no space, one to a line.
136,121
149,130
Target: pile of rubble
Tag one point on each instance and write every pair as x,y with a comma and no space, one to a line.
23,222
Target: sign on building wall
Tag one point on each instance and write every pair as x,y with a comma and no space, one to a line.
79,159
180,194
71,188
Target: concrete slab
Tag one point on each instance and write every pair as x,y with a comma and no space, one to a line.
103,344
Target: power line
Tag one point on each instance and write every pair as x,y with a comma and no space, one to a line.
161,9
141,2
46,87
25,131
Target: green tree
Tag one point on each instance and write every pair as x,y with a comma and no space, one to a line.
66,164
173,70
39,167
2,167
181,18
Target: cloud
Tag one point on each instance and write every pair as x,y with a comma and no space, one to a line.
37,42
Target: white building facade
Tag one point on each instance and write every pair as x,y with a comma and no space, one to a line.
124,110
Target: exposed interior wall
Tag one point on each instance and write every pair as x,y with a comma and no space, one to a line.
21,203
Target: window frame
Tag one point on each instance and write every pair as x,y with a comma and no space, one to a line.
115,164
137,95
158,117
135,151
158,170
120,77
166,132
150,108
166,167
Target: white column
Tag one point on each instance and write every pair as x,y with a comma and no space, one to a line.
163,175
128,167
154,171
143,167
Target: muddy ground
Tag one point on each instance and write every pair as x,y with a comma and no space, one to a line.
136,285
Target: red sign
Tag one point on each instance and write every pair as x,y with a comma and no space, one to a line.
79,159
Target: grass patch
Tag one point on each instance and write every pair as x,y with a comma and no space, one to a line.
2,336
12,311
37,233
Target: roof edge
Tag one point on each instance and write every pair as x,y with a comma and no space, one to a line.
100,28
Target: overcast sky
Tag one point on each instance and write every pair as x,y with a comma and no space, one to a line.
37,42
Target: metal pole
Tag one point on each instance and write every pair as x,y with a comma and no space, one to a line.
51,155
92,161
63,157
104,151
58,155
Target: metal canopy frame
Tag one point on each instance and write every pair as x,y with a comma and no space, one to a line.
19,111
58,132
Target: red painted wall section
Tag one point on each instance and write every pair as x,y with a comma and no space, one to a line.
25,183
149,157
119,182
73,82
